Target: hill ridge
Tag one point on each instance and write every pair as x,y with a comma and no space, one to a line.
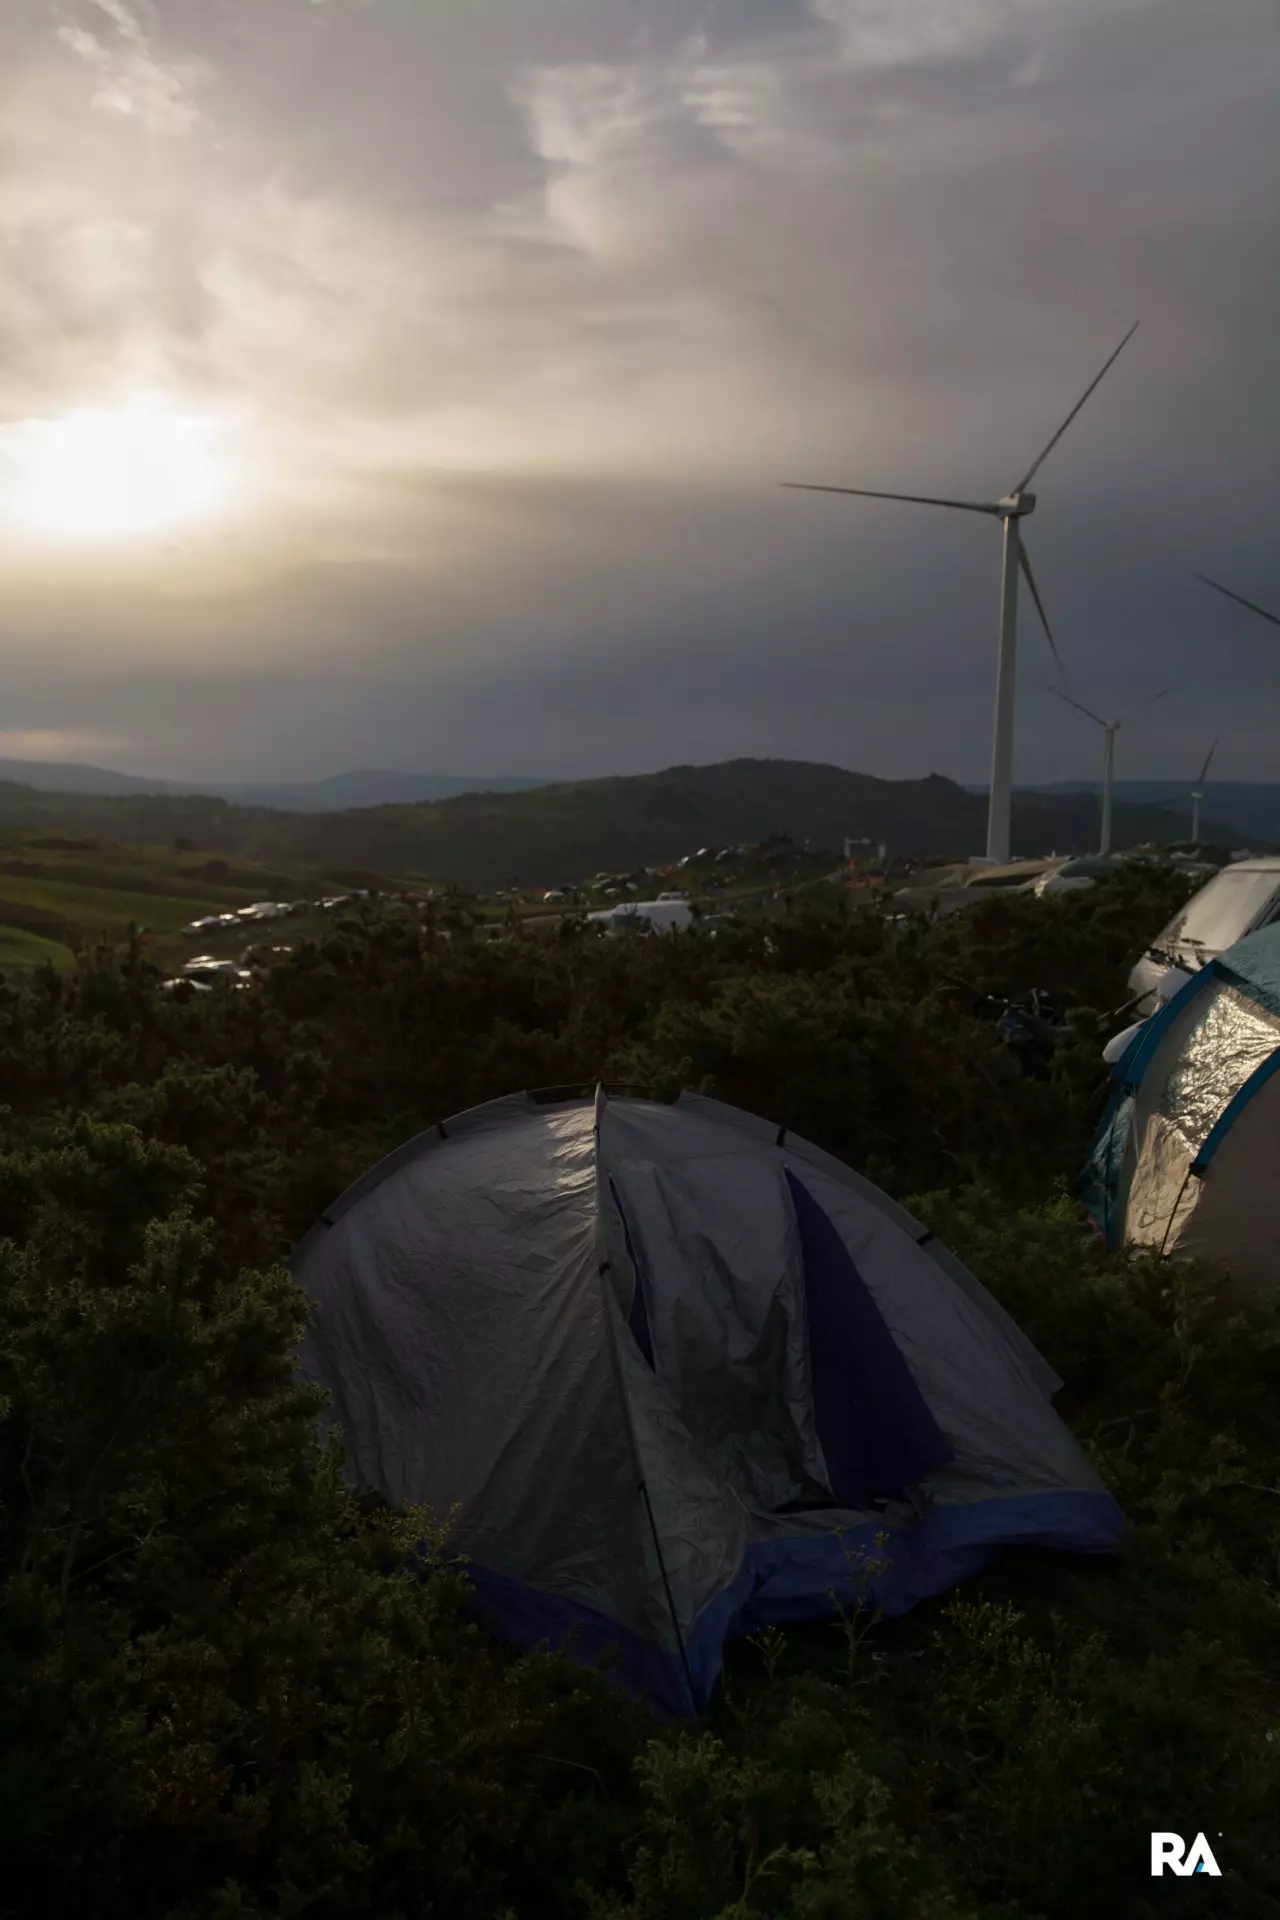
553,835
333,792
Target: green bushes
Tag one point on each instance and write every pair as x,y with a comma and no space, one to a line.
227,1689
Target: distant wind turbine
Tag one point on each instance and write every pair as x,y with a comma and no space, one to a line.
1011,509
1238,598
1197,795
1110,728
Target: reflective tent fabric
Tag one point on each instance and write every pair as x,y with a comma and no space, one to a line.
1187,1155
587,1330
1207,1056
1254,963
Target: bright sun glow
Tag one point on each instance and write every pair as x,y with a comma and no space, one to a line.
114,474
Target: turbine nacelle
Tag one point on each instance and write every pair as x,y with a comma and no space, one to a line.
1016,506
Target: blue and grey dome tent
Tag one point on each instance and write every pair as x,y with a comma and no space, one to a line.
1187,1158
677,1371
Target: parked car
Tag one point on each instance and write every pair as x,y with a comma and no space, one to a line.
205,970
1239,898
265,910
645,916
1072,875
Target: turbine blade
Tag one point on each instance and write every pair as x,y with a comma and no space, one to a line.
1025,564
1076,704
917,499
1036,465
1205,768
1251,604
1149,703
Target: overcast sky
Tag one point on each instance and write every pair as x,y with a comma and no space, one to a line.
503,319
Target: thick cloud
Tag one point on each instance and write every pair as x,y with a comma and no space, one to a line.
517,314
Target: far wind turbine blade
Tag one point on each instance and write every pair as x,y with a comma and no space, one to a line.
1036,465
1087,711
1025,564
1149,703
917,499
1251,604
1205,768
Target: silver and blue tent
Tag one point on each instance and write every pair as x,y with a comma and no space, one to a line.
1187,1158
678,1374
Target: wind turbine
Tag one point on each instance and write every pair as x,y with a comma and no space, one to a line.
1110,728
1239,598
1197,795
1009,510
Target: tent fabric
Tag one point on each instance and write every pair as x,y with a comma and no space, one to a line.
1254,964
676,1375
1185,1159
874,1425
638,1318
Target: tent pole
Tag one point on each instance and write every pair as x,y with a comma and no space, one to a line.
666,1588
607,1305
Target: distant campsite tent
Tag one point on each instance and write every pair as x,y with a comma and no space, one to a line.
677,1369
1187,1159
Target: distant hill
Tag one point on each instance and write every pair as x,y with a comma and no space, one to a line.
1250,808
72,776
367,787
556,834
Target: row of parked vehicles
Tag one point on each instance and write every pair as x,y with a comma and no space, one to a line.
261,911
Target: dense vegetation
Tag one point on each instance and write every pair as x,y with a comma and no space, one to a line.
565,833
227,1690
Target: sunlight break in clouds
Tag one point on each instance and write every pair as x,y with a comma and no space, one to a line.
112,473
55,743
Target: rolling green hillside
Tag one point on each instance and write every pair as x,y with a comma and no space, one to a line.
559,834
57,891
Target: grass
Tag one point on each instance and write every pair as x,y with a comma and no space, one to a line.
56,890
19,949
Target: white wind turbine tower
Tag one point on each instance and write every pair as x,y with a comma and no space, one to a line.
1010,510
1110,728
1197,795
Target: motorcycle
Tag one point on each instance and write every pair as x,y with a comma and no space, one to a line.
1033,1029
